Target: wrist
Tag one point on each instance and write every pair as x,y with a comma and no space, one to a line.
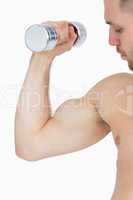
42,58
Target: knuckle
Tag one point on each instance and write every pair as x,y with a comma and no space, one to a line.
64,22
64,25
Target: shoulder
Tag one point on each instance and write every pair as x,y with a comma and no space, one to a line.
112,98
112,94
112,81
111,84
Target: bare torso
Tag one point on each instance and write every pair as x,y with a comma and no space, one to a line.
116,108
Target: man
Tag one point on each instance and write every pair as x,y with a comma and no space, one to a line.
79,123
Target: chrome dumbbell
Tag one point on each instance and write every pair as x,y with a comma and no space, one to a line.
43,37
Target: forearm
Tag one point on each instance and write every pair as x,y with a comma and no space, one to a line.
33,108
30,114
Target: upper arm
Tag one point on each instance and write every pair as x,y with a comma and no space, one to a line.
74,126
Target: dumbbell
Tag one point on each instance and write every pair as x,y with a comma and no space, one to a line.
43,37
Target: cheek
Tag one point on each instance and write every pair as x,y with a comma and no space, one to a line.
127,40
130,42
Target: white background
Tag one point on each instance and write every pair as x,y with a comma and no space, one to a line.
86,174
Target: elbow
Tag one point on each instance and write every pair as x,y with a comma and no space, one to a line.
29,149
26,157
26,154
25,150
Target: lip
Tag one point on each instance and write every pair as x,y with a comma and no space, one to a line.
117,50
123,57
120,52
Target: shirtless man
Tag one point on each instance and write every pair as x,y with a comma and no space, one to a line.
79,123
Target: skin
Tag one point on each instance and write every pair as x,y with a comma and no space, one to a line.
81,122
121,29
120,36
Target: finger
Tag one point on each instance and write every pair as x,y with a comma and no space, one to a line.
72,35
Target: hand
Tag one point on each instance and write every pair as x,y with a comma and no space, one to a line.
66,37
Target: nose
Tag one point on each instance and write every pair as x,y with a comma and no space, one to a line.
113,38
